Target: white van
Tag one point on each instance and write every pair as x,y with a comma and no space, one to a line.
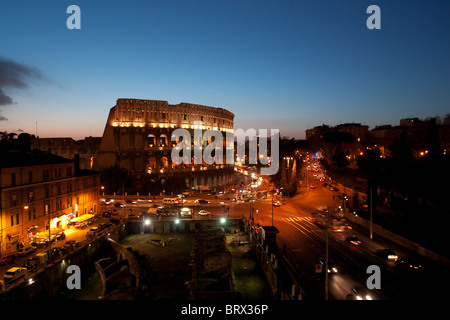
171,201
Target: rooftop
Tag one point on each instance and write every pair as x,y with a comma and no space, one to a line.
14,159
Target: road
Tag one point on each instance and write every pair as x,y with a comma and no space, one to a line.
306,242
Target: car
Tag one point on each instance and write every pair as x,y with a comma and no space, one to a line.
14,274
408,263
71,244
114,220
360,293
185,212
7,259
353,240
41,243
107,224
60,236
24,251
57,251
387,254
201,201
134,217
277,204
31,264
204,213
313,186
93,231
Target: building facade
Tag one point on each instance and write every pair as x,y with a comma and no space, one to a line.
41,190
137,137
67,147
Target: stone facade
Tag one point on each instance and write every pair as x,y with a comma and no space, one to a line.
137,137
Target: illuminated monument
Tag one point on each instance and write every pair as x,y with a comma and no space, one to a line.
137,137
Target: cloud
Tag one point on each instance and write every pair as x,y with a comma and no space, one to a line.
16,76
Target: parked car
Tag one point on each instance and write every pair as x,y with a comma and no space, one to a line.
41,243
114,220
60,236
93,231
24,251
31,264
7,259
57,251
106,225
71,244
14,274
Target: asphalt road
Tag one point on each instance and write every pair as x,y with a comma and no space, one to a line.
306,243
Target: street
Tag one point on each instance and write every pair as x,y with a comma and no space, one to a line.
305,244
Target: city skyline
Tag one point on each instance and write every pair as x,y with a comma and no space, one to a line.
286,65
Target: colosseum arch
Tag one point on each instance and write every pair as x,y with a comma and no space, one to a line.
164,162
151,163
151,140
163,141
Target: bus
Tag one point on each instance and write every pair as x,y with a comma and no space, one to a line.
336,224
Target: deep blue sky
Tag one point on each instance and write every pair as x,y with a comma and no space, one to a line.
289,65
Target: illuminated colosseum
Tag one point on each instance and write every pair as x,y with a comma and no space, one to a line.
137,137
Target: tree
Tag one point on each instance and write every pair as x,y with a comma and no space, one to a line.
174,184
115,179
333,142
433,146
370,165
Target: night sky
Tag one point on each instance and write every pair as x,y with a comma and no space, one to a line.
288,65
